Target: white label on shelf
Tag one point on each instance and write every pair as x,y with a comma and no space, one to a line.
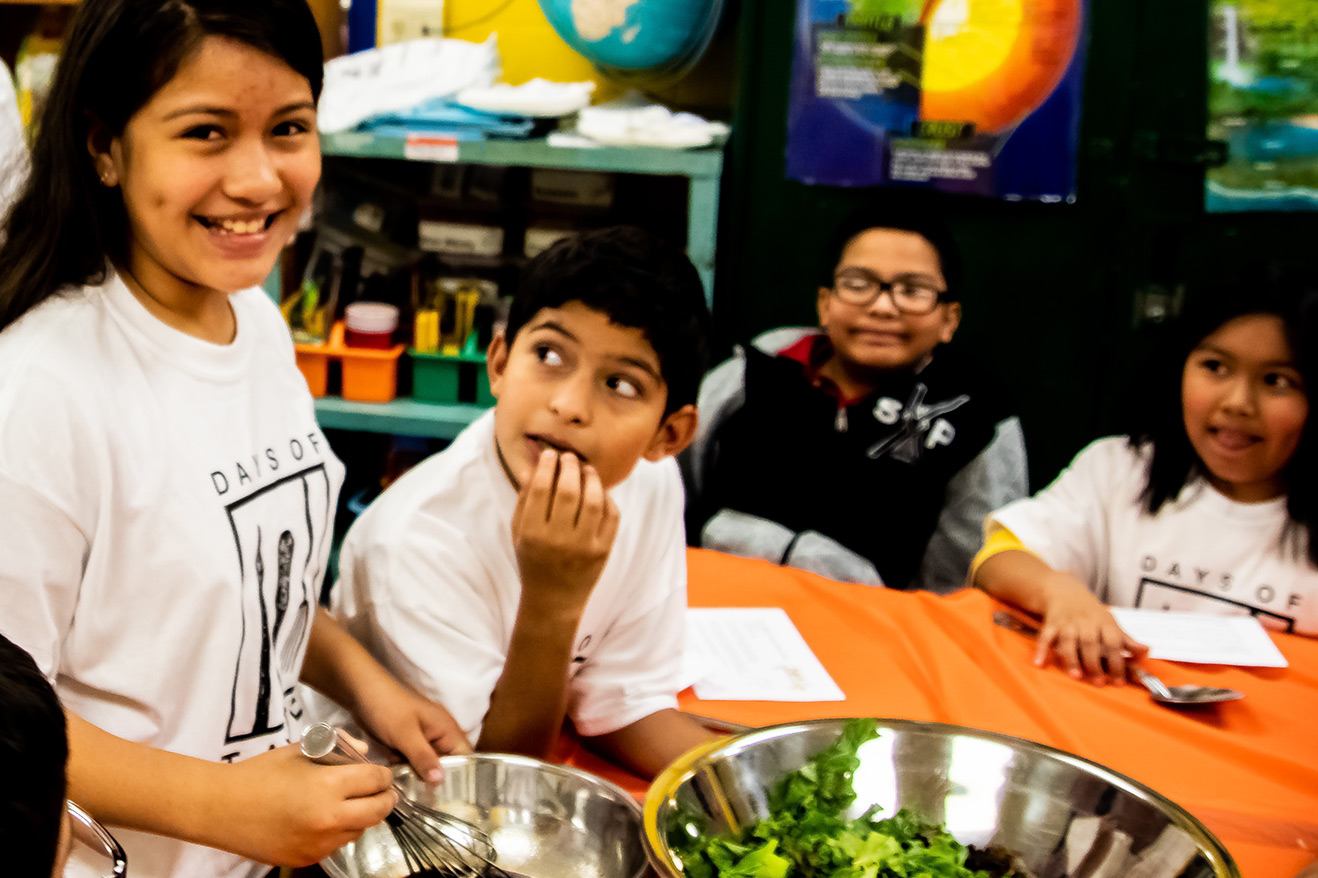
430,148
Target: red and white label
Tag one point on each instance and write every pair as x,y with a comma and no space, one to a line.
430,148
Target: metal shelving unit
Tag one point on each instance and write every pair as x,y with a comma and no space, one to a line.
403,416
702,168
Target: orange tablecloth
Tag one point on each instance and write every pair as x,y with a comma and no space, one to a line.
1247,769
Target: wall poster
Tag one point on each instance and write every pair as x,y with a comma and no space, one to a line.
1263,103
970,96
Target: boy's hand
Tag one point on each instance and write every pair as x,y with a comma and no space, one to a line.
415,727
386,708
282,809
563,530
1083,635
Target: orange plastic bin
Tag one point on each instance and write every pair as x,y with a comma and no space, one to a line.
313,363
369,374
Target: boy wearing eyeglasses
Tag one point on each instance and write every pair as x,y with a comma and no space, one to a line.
852,450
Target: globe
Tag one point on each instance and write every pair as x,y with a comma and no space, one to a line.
635,41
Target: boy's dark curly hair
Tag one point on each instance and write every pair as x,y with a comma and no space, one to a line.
901,217
637,280
34,752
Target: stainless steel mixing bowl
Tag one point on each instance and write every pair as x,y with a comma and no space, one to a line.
546,820
94,852
1059,814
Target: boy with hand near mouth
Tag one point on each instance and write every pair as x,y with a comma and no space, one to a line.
535,569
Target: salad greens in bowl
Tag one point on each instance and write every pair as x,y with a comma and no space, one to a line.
886,798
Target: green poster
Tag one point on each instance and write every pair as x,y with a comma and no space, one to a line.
1263,104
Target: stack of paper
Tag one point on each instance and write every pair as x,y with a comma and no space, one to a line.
753,654
1201,638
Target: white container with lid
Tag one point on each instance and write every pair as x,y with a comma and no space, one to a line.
370,324
371,317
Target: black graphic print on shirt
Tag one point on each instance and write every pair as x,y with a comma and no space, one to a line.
278,532
1177,583
1157,594
579,660
922,426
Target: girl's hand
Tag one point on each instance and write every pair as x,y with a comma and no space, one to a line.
282,809
1082,634
563,530
418,729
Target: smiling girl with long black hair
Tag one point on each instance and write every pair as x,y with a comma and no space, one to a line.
166,496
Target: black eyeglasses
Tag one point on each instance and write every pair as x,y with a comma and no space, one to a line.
910,295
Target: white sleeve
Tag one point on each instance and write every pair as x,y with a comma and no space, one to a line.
421,603
1066,524
740,533
722,392
820,554
13,149
42,553
49,491
637,667
997,476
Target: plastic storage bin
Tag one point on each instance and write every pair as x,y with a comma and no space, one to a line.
313,363
369,375
454,378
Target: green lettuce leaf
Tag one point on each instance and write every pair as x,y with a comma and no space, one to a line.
806,836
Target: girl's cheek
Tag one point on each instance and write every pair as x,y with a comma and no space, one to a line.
1287,424
1297,419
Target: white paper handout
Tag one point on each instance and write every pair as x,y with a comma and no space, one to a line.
752,654
1201,638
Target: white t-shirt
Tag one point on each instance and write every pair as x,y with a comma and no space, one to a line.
13,149
429,582
1201,552
165,521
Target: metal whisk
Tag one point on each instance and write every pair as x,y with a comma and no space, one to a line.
434,844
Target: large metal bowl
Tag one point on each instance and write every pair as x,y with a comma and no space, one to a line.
1059,814
93,851
546,820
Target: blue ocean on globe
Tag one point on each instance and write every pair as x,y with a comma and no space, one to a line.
629,37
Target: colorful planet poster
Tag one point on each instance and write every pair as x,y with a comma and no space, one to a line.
971,96
1263,104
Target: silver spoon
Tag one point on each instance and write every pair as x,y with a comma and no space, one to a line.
1181,696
